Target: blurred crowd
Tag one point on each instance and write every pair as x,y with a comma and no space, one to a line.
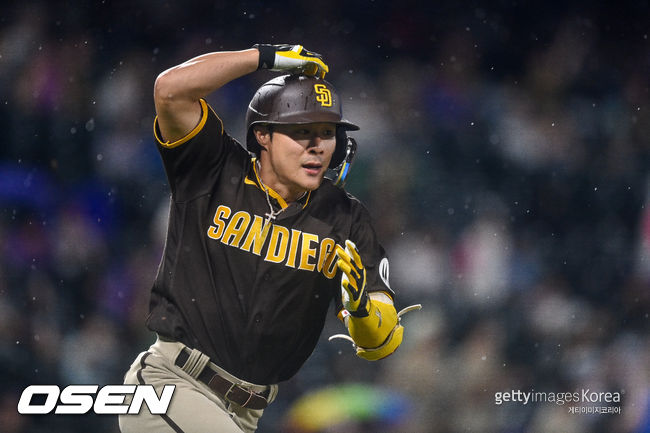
503,152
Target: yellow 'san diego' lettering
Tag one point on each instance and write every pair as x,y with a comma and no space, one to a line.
236,228
307,251
295,238
277,250
293,248
256,236
215,232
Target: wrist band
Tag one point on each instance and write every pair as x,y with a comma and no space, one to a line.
267,56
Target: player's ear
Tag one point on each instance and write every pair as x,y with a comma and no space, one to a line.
262,135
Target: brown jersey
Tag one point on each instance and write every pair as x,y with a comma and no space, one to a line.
250,292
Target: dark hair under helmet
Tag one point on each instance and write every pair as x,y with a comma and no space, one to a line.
297,99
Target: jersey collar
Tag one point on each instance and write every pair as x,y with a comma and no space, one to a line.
277,197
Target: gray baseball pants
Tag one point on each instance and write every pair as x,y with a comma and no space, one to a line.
194,407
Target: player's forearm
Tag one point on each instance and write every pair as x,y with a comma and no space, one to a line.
202,75
177,90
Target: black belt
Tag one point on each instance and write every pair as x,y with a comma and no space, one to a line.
223,387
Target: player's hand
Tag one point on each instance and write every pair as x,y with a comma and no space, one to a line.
291,58
353,280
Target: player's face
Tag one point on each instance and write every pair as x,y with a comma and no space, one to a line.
297,157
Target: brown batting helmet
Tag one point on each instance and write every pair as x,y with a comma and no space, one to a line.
298,99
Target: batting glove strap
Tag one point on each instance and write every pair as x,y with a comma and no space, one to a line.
391,344
267,55
388,345
374,329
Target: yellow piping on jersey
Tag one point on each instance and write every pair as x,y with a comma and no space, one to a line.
307,201
272,193
192,133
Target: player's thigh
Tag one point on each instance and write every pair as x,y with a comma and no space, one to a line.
190,411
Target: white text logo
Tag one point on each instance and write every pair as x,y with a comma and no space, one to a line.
80,399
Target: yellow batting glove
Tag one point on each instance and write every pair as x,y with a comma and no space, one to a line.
291,58
353,280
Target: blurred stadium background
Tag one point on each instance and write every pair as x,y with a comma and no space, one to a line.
504,152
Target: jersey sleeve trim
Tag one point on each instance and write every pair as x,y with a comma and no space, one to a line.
191,134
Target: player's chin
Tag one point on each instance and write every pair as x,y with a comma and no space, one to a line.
311,182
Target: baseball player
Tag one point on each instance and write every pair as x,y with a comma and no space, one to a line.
255,242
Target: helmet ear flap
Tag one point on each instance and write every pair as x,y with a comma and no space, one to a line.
339,151
339,173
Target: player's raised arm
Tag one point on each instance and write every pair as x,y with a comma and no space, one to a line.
178,89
